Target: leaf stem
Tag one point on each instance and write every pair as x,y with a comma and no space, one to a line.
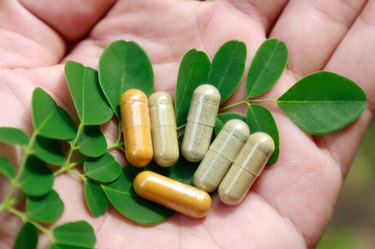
181,127
8,200
234,105
73,147
261,100
76,173
25,219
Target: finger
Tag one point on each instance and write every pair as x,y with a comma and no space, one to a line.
313,29
71,19
354,59
266,12
33,33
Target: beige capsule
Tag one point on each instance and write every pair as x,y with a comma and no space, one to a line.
200,122
221,155
163,129
246,168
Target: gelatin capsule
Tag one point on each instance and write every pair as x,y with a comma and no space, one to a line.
175,195
163,129
221,155
136,127
246,168
200,122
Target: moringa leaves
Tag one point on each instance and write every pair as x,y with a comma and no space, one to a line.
103,169
92,142
6,168
10,135
260,119
49,119
227,68
266,68
91,105
194,69
323,102
27,237
95,197
46,208
122,66
48,150
74,235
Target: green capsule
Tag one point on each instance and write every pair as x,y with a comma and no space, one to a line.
200,122
221,155
246,168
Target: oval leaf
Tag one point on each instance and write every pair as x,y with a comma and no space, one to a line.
27,237
261,119
95,197
46,208
92,142
15,136
227,68
266,68
75,234
6,168
37,178
124,199
50,120
91,105
122,66
48,150
222,118
193,72
323,102
103,169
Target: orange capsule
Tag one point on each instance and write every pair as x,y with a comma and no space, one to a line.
136,127
175,195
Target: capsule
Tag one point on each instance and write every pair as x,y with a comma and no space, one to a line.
246,168
200,122
221,155
163,129
175,195
136,127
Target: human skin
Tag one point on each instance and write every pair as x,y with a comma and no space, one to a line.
291,203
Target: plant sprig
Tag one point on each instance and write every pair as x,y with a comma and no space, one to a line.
320,103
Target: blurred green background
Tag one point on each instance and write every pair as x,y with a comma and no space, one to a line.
353,223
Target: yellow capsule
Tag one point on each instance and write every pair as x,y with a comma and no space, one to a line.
221,155
163,129
200,122
175,195
136,127
246,168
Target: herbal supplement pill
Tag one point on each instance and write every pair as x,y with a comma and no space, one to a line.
136,127
246,168
175,195
200,122
221,155
163,129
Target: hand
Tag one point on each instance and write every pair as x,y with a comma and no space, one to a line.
292,202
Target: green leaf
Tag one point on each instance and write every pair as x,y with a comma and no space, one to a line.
6,168
323,102
124,199
50,120
27,237
227,68
193,72
91,105
37,178
10,135
103,169
48,150
266,68
74,234
58,246
222,118
92,142
96,199
122,66
261,119
46,208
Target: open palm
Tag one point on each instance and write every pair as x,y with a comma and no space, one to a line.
291,203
